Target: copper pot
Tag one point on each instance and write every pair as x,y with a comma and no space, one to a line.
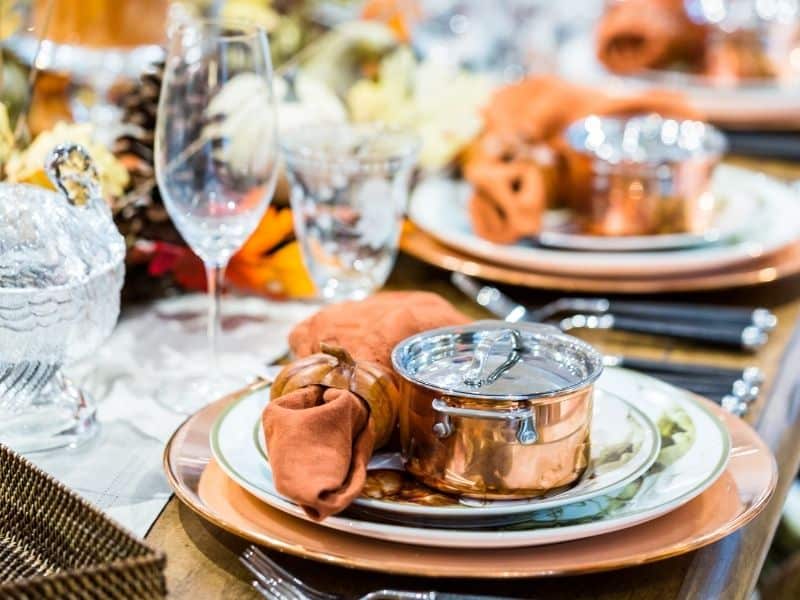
492,410
642,176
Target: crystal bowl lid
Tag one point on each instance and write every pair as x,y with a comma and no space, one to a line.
46,241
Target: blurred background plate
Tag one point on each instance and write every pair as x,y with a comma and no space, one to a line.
445,217
747,105
731,217
425,247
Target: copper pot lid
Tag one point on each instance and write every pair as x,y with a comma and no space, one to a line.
645,140
496,360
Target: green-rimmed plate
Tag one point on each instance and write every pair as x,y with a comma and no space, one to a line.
694,451
625,444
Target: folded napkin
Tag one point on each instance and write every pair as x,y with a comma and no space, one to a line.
536,109
319,442
519,166
635,35
320,437
509,199
369,329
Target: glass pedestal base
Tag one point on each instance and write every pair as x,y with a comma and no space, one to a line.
187,395
64,416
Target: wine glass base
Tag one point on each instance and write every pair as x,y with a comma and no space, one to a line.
334,290
187,395
66,419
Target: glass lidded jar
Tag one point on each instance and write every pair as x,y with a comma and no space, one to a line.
61,274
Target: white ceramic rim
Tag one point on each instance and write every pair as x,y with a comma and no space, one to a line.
453,538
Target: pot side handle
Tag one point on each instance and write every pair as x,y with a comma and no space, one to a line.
526,430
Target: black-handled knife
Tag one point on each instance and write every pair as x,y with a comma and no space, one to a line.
764,144
758,317
751,374
748,338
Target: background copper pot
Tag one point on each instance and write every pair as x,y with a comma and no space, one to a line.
642,176
490,411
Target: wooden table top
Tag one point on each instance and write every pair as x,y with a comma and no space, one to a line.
202,560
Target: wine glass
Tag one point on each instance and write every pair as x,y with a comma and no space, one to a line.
216,159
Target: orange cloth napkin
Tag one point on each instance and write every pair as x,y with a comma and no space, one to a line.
320,439
369,329
635,35
518,166
319,442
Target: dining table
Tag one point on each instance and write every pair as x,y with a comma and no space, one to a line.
202,559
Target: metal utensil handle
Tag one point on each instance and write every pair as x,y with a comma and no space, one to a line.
751,373
515,414
474,375
748,338
526,430
759,317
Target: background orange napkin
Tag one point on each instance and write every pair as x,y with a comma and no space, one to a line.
635,35
518,167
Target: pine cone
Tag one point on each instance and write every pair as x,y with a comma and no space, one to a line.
140,212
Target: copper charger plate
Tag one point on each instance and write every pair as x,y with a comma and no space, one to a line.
773,267
732,501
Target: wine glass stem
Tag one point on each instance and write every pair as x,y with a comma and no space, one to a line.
215,277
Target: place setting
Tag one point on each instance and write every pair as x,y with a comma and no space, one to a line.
616,449
734,61
630,205
396,299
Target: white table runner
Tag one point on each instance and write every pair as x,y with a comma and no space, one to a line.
120,470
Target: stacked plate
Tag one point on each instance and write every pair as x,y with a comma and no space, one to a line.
753,237
654,449
754,103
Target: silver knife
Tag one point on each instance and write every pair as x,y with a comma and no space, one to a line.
747,338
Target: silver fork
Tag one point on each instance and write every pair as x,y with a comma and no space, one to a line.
275,582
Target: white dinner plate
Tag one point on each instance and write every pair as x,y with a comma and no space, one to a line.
731,216
694,452
773,223
625,443
753,103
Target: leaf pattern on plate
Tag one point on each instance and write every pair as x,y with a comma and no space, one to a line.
677,432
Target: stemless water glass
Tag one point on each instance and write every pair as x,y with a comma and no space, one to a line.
349,190
216,156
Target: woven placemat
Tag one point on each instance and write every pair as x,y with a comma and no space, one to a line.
54,544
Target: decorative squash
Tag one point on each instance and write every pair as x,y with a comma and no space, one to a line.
333,367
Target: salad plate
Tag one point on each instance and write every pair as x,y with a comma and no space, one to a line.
694,451
768,212
625,444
